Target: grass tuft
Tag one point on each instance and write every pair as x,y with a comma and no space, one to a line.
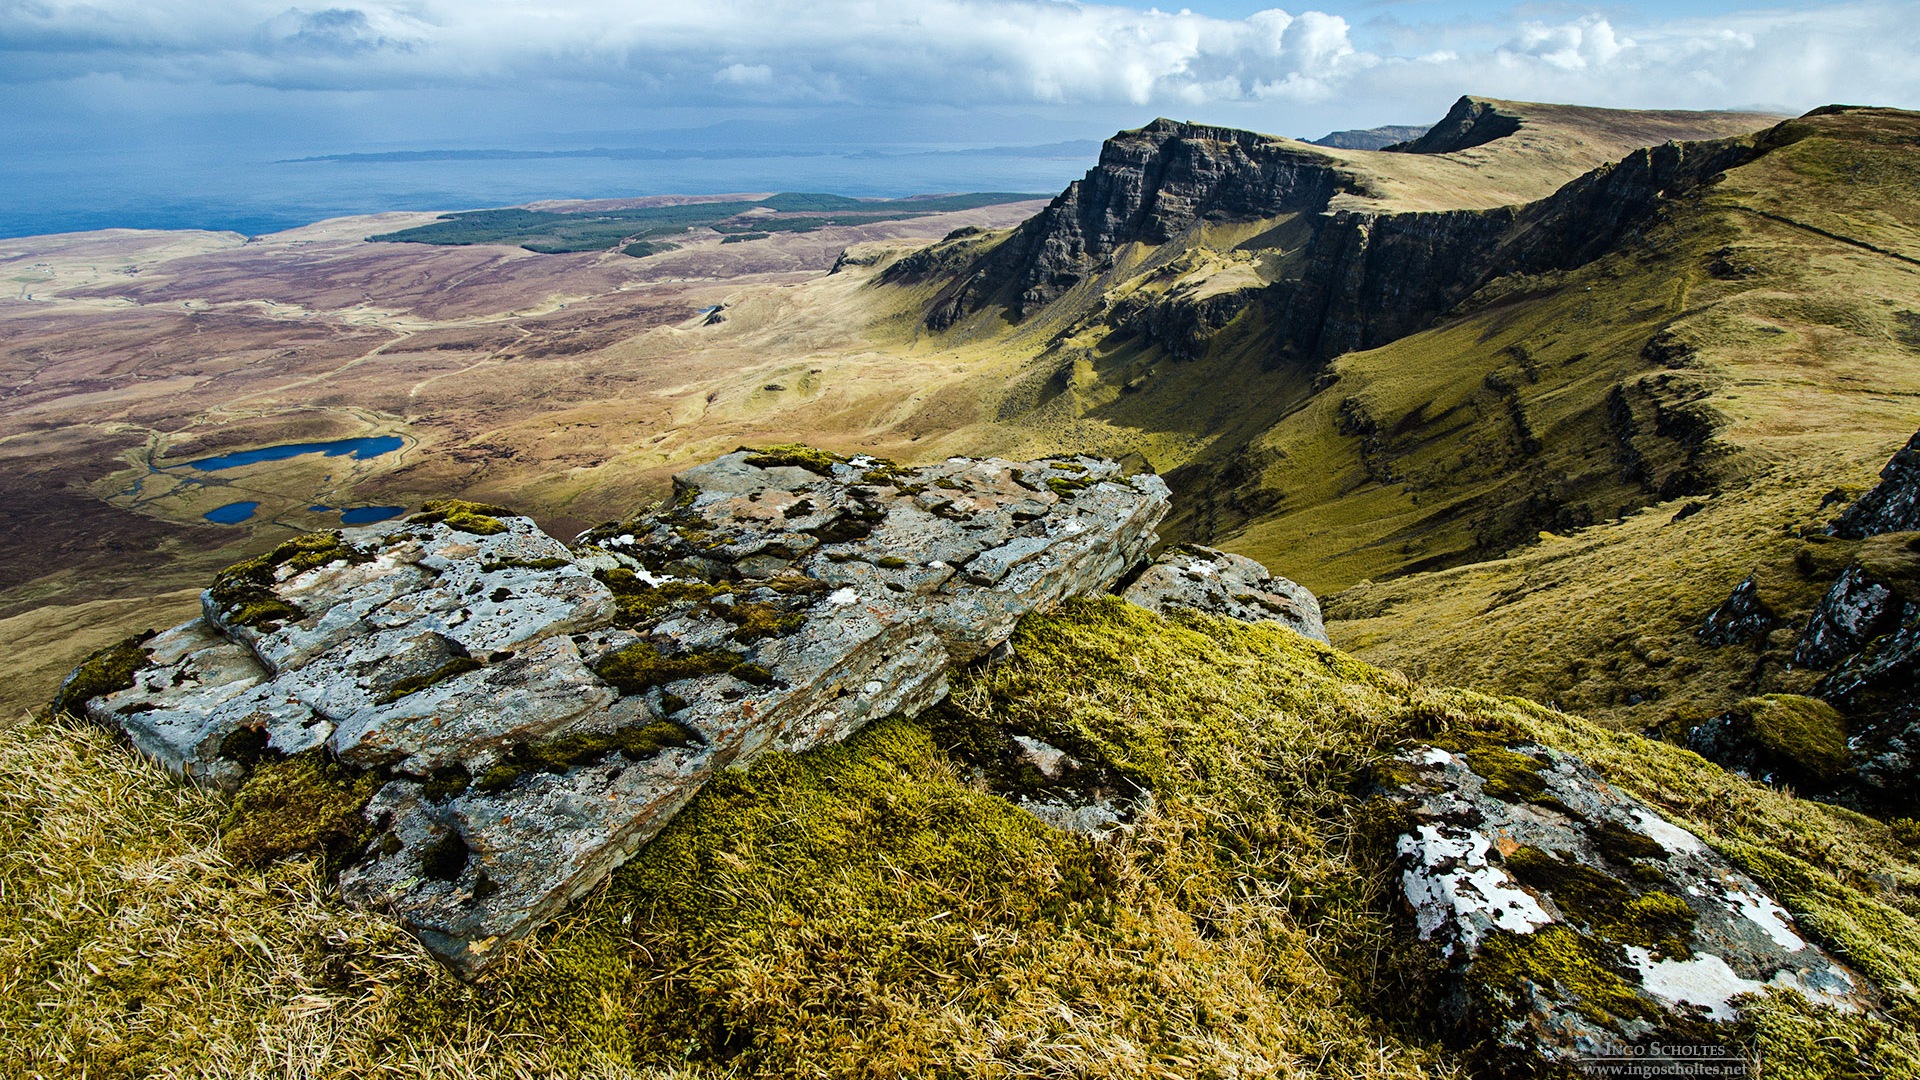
480,519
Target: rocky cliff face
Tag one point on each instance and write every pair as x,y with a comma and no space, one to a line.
530,713
1364,279
1150,185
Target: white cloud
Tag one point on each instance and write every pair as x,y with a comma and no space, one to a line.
965,52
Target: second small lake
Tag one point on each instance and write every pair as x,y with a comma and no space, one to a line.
232,513
361,449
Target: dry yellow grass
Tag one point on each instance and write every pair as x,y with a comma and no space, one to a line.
866,910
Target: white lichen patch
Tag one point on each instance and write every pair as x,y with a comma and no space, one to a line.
1704,981
1676,840
843,597
1433,755
1762,911
1453,882
648,577
1708,982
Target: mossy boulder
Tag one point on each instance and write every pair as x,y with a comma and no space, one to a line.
1570,917
1778,738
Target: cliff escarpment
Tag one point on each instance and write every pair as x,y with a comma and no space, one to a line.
1346,279
1150,186
1403,372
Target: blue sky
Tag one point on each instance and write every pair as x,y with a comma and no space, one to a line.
200,77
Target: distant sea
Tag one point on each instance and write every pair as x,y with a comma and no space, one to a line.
149,187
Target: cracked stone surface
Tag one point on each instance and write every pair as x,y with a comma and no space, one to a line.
1511,850
540,710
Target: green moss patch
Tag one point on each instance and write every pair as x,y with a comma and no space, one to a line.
304,803
1554,957
1805,734
1609,907
244,592
761,620
811,458
641,666
641,603
1067,485
567,751
1621,844
480,519
459,665
1507,775
105,671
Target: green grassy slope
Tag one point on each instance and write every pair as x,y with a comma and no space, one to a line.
868,910
1749,347
1719,342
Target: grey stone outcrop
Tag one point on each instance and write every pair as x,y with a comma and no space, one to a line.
1221,583
1893,505
540,711
1741,617
1573,919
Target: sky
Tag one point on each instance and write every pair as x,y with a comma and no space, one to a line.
184,81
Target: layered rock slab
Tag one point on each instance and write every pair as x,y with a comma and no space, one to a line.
540,711
1575,921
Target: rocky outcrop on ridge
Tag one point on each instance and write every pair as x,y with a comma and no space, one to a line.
1221,583
1575,922
1742,616
1373,138
1149,186
1865,634
1893,505
536,712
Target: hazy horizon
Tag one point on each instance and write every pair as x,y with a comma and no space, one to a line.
172,114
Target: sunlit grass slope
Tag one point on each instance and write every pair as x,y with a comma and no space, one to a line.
867,910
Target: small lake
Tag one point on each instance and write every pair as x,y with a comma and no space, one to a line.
360,515
232,513
361,449
367,515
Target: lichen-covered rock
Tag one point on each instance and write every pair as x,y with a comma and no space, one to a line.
535,712
1573,920
1857,609
1893,505
1742,616
1879,687
1220,583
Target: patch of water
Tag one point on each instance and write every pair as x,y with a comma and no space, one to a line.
367,515
361,449
232,513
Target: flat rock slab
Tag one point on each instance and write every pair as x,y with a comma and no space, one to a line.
1201,578
540,710
1574,919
